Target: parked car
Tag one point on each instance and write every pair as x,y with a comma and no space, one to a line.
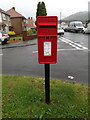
4,37
60,31
87,30
67,29
76,26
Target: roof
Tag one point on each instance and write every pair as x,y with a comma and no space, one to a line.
14,13
4,12
30,20
30,23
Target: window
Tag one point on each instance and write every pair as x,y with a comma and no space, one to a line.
4,16
8,18
24,20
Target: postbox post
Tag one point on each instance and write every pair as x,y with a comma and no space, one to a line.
47,83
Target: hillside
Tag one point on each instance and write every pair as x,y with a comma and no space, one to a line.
80,16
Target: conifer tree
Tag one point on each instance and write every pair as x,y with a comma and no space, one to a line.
41,10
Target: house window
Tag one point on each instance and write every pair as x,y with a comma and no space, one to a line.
4,16
8,18
25,21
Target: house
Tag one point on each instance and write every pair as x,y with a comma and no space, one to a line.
5,22
18,21
30,23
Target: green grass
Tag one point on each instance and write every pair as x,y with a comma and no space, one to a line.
16,38
24,97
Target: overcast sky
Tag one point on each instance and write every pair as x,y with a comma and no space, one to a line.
54,7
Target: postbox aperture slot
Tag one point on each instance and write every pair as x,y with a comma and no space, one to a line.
47,26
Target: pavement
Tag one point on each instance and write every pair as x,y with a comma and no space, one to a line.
19,44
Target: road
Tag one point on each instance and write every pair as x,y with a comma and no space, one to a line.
78,38
72,63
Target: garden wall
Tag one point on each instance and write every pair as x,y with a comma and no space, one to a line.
27,37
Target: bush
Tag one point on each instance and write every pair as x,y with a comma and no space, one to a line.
30,32
34,31
11,33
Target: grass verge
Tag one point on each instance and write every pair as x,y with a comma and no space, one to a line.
24,97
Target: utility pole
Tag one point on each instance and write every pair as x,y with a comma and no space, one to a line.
60,19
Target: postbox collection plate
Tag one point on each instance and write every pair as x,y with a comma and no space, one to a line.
47,48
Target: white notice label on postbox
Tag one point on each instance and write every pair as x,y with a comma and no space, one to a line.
47,48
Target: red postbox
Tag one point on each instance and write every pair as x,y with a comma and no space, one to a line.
47,39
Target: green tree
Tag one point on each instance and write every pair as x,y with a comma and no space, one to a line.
41,10
38,12
44,12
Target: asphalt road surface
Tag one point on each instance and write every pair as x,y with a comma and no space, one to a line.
72,63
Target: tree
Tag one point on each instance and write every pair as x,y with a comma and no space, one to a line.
44,13
41,10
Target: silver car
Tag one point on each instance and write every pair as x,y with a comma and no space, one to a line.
4,37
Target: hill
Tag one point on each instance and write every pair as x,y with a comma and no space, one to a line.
80,16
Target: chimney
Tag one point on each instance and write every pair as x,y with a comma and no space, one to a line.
13,8
28,17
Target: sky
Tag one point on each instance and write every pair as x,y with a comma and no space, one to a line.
53,7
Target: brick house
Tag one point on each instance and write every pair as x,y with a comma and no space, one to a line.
18,21
30,23
5,22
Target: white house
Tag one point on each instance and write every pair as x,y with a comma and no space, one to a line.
5,22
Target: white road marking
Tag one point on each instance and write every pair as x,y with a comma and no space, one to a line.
73,44
73,49
35,51
1,54
70,44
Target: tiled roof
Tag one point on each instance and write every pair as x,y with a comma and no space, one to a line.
30,23
14,13
4,12
30,20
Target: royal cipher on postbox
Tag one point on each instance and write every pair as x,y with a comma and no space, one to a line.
47,39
